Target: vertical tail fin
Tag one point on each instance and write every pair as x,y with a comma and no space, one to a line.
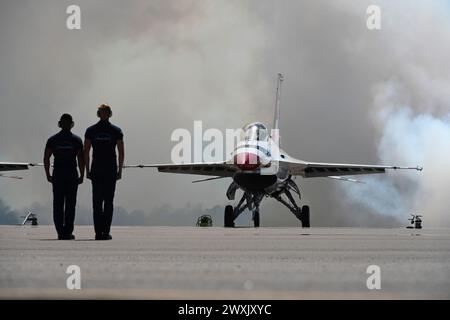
276,118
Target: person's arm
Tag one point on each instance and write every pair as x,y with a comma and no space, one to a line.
121,149
87,150
80,157
47,154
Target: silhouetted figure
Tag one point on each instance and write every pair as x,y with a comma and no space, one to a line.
66,149
104,171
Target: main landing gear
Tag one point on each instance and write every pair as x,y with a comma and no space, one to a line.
285,197
249,200
252,200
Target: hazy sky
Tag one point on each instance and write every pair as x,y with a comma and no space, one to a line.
350,95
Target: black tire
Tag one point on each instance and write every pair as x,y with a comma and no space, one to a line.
256,219
305,217
229,217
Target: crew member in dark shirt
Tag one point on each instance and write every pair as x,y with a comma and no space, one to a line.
66,149
104,138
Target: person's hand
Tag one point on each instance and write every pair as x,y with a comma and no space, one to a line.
119,175
80,180
88,175
49,178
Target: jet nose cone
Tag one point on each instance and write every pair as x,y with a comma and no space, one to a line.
247,161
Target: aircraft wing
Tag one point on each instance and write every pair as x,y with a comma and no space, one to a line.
12,166
321,169
217,169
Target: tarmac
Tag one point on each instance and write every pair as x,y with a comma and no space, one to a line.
218,263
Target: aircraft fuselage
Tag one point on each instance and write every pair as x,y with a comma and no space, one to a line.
258,167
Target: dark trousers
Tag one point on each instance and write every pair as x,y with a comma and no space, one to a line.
103,188
64,201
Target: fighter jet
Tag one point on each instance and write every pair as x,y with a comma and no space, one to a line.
15,166
260,168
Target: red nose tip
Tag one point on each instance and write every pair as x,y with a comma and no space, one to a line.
247,161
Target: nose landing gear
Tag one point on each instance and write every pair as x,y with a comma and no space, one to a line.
249,201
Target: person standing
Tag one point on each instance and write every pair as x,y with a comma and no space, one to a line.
66,148
104,138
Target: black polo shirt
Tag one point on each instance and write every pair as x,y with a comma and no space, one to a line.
104,136
64,146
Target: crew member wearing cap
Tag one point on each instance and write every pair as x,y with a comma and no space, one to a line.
66,148
104,138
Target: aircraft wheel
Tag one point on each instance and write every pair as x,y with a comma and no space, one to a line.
256,219
305,217
229,217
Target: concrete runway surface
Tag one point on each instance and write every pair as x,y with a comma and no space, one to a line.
218,263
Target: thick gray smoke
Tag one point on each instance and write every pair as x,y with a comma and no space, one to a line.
409,137
160,64
7,216
411,113
350,95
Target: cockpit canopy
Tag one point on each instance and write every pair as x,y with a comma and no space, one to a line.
255,131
